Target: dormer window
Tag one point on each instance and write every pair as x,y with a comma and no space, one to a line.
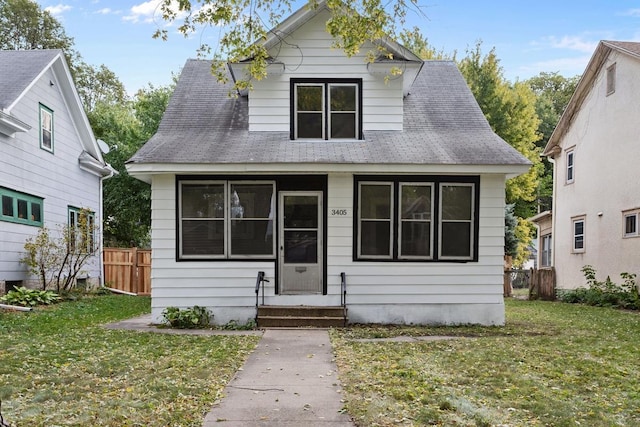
326,109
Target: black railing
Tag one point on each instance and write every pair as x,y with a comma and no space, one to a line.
343,295
259,281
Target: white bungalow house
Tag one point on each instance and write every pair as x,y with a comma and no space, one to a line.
595,150
50,164
329,171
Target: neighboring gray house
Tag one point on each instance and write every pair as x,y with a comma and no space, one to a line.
50,163
328,166
595,150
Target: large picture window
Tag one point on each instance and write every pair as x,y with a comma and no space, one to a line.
20,207
326,109
422,218
226,219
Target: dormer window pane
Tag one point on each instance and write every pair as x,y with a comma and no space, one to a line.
326,109
309,107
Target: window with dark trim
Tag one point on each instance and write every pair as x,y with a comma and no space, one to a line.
46,128
326,109
416,218
630,223
82,229
20,207
578,228
225,219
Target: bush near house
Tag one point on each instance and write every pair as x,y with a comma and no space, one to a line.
605,293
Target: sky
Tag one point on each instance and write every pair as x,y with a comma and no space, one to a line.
529,37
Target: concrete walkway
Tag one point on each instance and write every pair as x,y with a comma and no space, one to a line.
289,380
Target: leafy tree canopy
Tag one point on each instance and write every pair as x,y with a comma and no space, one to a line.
243,23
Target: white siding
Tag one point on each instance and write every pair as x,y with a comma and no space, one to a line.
387,292
56,177
604,137
306,53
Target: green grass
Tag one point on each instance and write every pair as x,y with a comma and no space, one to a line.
552,365
58,366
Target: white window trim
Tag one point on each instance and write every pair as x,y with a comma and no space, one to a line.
470,221
570,169
323,112
431,221
330,112
326,107
574,221
74,212
544,238
390,220
631,213
226,220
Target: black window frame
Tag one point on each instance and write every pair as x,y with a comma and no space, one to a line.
227,219
435,240
326,116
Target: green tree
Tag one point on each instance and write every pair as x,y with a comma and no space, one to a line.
413,40
98,85
24,25
242,23
126,127
553,92
510,110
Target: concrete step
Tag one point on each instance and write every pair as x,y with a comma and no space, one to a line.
270,316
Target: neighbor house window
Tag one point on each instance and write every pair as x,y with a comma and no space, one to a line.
326,109
630,223
226,219
20,207
545,253
421,218
570,166
46,128
82,229
611,79
578,227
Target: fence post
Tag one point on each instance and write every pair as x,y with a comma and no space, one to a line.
134,269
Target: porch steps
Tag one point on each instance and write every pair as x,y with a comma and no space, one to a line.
279,316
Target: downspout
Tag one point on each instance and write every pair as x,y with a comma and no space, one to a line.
553,208
101,203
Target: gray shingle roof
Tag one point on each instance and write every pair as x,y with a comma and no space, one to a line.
442,125
18,68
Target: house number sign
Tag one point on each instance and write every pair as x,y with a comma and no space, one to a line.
338,212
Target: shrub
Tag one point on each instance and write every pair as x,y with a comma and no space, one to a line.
605,293
29,297
188,318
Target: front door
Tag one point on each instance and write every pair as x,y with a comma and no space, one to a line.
300,242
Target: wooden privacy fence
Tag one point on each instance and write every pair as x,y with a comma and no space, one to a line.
128,270
541,283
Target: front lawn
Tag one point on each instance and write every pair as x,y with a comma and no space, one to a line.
553,364
58,366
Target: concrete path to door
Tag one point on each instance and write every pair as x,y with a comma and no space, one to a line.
289,380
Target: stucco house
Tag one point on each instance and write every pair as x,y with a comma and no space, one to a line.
595,150
329,169
51,166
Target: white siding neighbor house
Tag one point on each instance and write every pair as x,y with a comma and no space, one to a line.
595,150
50,164
329,171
